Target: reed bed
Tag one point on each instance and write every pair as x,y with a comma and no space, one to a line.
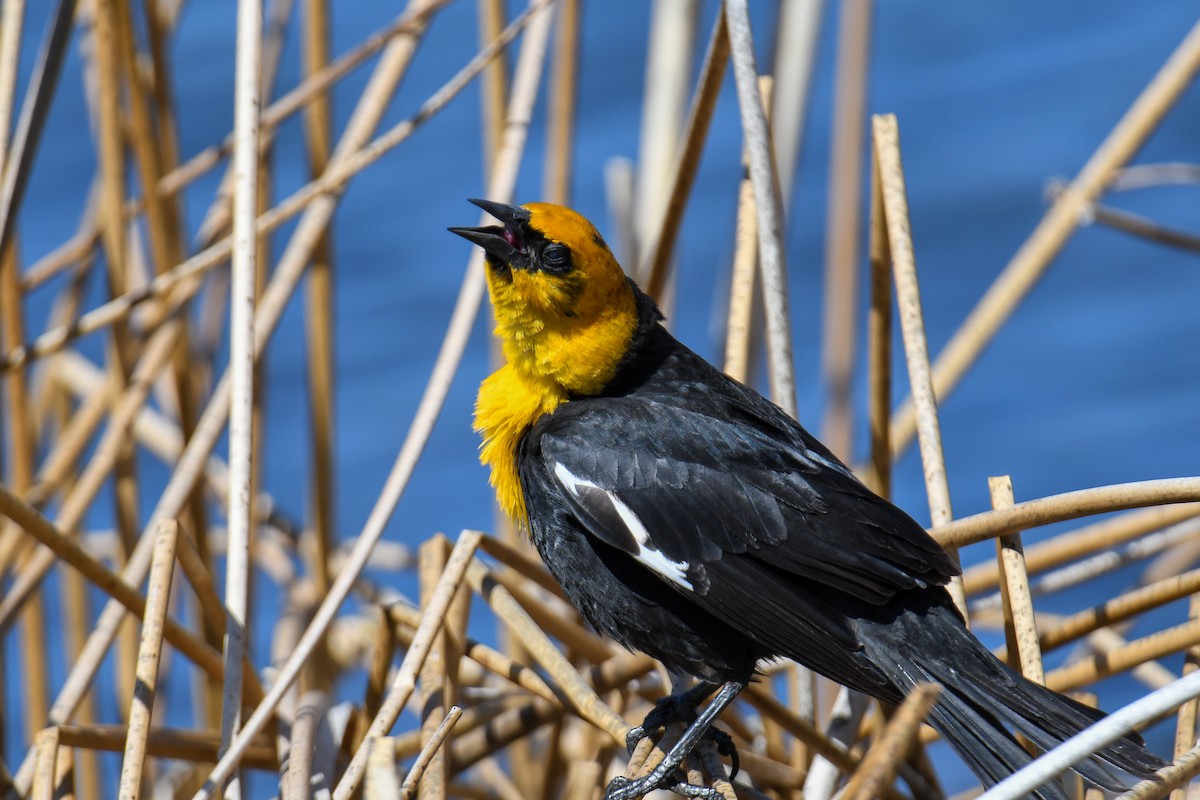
526,701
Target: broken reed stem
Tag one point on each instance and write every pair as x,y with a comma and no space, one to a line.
687,161
425,757
158,593
1069,505
1048,238
886,138
878,767
46,747
405,680
1020,626
772,258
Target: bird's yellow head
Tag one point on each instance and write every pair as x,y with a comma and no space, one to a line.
565,311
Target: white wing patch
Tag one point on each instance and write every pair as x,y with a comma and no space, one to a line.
647,554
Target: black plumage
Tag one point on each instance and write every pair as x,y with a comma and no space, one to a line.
688,517
788,553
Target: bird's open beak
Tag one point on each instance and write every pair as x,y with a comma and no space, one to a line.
502,242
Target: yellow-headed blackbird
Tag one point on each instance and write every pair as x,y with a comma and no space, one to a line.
688,517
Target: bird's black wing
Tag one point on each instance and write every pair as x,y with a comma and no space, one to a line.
683,483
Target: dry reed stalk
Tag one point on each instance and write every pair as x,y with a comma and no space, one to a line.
270,308
564,90
583,698
523,560
431,748
1185,724
183,745
583,778
844,223
886,138
411,22
878,767
796,40
433,681
1020,625
114,585
1048,238
556,619
241,369
320,332
11,18
672,40
457,565
525,90
654,263
381,781
772,259
1099,536
1148,648
315,199
108,451
158,593
739,320
159,435
1119,609
490,659
1068,505
879,340
22,438
68,254
46,747
1171,778
22,446
297,784
73,437
494,93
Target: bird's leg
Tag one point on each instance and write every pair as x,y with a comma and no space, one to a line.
679,707
622,788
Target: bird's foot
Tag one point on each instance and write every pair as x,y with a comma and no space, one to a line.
622,788
663,776
667,710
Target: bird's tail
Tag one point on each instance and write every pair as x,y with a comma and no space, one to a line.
983,701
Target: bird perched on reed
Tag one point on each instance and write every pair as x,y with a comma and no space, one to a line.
689,518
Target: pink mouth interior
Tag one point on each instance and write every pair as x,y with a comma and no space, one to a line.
511,238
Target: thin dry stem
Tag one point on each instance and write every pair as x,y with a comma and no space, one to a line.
158,594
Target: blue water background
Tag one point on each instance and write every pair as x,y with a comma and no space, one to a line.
1095,380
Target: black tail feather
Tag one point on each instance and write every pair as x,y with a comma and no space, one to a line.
984,702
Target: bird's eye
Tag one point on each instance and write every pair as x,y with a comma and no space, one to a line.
556,256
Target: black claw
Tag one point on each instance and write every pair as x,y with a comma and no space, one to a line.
725,747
